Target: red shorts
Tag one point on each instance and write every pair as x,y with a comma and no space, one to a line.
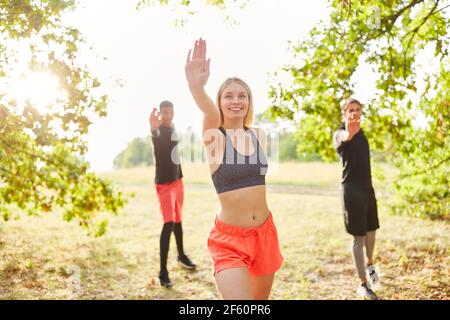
170,197
254,248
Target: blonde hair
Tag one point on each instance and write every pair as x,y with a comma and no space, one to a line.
349,101
248,119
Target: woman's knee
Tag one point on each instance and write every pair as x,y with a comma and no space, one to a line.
234,284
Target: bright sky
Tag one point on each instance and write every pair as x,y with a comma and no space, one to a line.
146,52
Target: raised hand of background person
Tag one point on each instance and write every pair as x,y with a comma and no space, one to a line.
352,125
155,119
197,66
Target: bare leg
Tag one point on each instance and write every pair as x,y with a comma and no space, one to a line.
261,286
234,284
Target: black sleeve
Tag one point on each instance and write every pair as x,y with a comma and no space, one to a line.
155,136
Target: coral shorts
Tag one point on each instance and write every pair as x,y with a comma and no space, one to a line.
170,197
254,248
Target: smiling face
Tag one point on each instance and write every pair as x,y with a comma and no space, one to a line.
235,101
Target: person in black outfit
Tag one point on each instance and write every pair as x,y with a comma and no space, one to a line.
358,196
169,186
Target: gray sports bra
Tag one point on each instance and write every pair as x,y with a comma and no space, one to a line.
239,171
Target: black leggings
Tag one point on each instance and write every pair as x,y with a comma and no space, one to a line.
164,243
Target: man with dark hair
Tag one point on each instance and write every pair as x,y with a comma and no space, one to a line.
169,186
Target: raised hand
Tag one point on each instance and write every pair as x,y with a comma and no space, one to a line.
197,67
352,125
155,120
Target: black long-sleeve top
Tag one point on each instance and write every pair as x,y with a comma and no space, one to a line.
355,157
167,158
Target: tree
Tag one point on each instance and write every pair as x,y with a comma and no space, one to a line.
393,38
139,152
41,153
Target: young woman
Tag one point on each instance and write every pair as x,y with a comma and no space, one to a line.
243,242
359,202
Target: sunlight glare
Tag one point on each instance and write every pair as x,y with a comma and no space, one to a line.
41,89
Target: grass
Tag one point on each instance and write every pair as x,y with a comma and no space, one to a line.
311,174
46,258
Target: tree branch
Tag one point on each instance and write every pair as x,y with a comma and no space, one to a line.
395,16
442,9
30,154
414,32
417,173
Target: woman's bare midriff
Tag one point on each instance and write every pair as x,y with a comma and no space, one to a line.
244,207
